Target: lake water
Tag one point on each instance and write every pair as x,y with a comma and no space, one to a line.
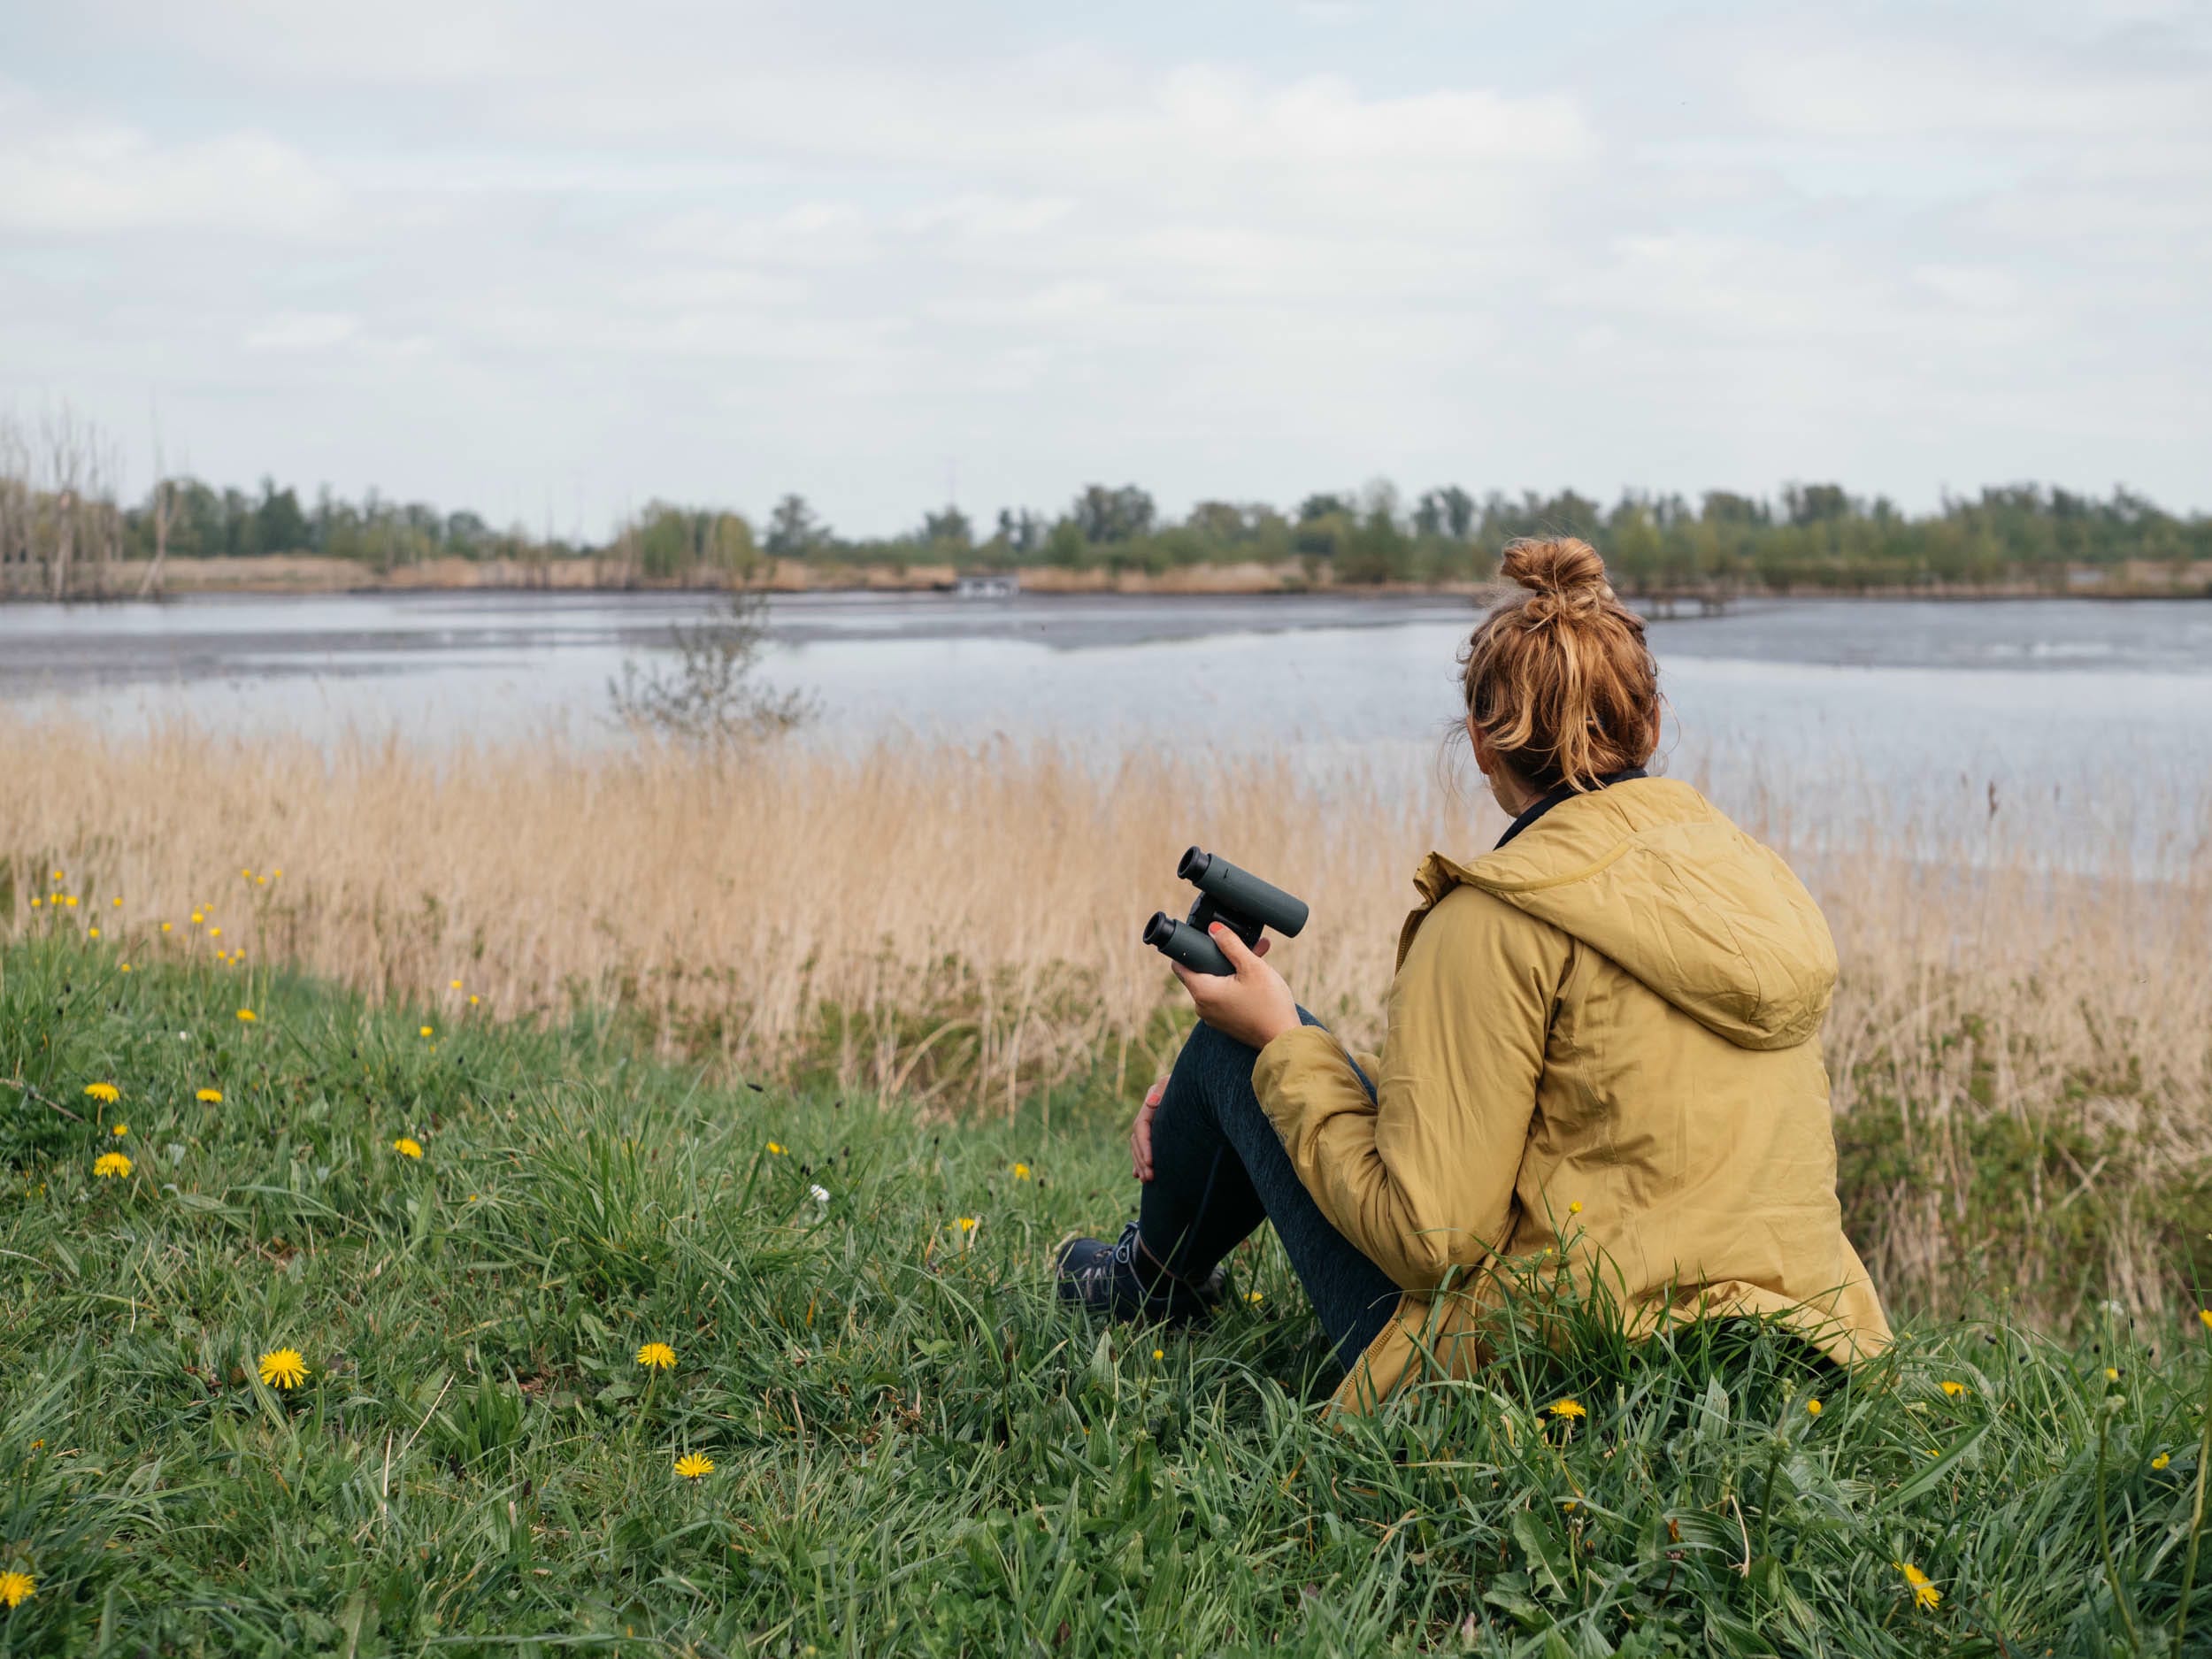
1936,702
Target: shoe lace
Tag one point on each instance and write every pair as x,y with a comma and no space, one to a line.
1098,1273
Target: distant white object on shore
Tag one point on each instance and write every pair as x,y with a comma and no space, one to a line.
986,585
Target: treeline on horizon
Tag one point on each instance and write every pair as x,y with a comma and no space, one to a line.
1811,536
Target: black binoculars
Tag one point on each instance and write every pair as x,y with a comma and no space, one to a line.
1238,900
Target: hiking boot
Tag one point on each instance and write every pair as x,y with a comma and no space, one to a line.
1106,1279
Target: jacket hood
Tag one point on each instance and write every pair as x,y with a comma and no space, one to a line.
1651,876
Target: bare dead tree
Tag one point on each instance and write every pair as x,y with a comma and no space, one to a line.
19,573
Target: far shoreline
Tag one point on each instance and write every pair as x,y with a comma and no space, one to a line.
310,576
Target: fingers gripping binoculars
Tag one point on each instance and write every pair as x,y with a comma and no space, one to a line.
1237,899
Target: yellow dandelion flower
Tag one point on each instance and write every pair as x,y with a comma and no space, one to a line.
1923,1592
70,899
774,1150
1812,1408
657,1356
276,875
92,933
58,875
1954,1389
966,1224
1021,1171
426,1031
2112,1373
17,1587
111,1166
125,968
692,1465
120,1129
209,1097
261,881
119,903
36,903
198,918
107,1094
474,1000
165,926
408,1147
1567,1409
283,1368
246,1014
1159,1353
2205,1313
1575,1209
214,932
1255,1297
2161,1460
453,985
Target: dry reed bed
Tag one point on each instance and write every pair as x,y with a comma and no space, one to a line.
959,927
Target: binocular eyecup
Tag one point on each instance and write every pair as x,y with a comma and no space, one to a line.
1237,899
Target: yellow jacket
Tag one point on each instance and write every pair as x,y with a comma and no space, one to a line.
1620,1010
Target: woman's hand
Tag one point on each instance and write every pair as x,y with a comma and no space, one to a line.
1141,1131
1252,1005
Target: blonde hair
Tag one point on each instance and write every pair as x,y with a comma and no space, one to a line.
1558,678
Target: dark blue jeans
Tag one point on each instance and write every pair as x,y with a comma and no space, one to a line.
1218,1169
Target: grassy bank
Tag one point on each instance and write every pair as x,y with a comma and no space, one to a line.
2021,1045
914,1449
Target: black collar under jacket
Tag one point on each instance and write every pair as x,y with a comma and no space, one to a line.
1565,792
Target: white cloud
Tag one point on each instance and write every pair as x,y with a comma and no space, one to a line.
69,175
303,331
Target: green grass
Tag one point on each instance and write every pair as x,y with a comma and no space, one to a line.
915,1450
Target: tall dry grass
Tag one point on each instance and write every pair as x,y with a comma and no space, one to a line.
2021,1052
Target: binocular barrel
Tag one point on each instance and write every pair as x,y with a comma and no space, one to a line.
1181,943
1242,892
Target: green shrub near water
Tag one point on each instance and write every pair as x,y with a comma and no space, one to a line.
915,1449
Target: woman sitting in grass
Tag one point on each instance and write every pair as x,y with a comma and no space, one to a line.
1602,1045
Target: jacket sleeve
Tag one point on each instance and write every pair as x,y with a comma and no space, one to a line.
1421,1179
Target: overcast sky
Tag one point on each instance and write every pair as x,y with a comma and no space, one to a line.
552,259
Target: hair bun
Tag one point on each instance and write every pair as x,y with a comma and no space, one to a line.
1563,566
